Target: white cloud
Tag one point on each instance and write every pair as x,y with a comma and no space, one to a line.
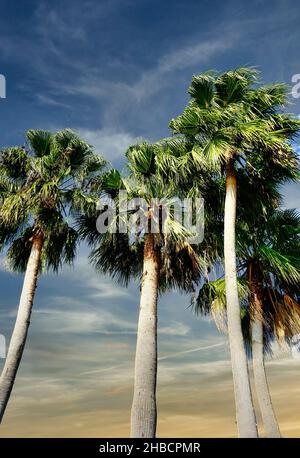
109,142
175,329
74,321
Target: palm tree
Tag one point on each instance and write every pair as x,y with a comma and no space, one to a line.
41,185
274,265
268,265
230,119
163,258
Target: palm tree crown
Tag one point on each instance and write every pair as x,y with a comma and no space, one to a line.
121,254
41,185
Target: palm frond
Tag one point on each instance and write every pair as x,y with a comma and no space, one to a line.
287,267
202,88
40,141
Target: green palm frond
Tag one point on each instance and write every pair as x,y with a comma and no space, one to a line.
112,181
14,208
287,267
59,247
40,141
86,227
175,146
141,158
180,267
232,86
93,166
117,257
19,251
265,100
8,186
202,88
214,290
187,123
211,299
216,149
14,163
75,153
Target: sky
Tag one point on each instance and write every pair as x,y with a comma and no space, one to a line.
117,71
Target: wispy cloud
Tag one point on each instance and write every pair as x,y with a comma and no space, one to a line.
156,79
151,81
47,100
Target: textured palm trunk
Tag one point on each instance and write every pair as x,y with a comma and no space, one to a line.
260,378
245,416
20,331
143,412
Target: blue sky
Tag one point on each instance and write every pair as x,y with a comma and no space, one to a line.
117,71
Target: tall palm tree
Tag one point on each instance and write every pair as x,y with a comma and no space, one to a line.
41,185
230,119
162,259
274,264
268,265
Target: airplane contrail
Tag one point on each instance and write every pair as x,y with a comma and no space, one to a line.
171,355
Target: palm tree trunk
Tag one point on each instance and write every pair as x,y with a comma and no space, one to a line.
20,331
261,384
245,416
143,412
